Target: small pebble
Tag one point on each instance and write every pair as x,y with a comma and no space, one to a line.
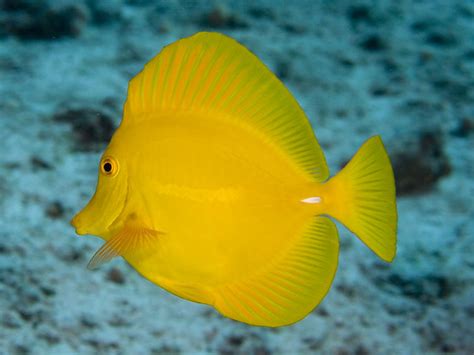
55,210
22,349
262,13
44,22
235,340
441,39
91,128
322,311
48,334
40,164
418,168
47,291
221,17
11,320
294,28
465,128
116,276
360,14
88,321
373,43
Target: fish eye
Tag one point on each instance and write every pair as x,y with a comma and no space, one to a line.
109,166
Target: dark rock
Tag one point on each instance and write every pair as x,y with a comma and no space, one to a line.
293,28
373,43
91,128
116,276
23,5
165,349
112,103
104,12
421,25
39,164
250,343
31,295
465,128
454,89
392,329
470,310
361,350
313,344
159,19
39,21
435,33
261,13
260,350
140,2
20,293
4,189
221,17
282,70
47,291
390,66
118,321
88,321
447,335
70,254
346,62
380,91
469,54
441,38
49,335
424,288
235,340
11,320
55,210
322,311
348,290
4,249
421,165
25,314
360,14
21,349
102,345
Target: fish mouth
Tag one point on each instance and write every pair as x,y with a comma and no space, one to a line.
99,226
75,222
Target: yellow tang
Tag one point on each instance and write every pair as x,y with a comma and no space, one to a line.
215,188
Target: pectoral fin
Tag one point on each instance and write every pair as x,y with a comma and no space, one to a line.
126,242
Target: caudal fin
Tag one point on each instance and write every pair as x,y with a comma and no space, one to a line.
362,197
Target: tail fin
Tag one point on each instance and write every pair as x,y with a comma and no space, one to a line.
362,197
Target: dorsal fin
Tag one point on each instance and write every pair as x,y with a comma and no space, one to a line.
214,74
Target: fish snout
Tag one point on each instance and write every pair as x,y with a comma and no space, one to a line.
77,223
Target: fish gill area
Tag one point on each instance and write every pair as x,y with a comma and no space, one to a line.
401,69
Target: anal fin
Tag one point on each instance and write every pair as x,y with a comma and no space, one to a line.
290,288
127,241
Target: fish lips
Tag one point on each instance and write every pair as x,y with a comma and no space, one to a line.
98,218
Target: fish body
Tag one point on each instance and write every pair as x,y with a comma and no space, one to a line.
215,188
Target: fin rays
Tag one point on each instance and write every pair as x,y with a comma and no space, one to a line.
124,242
288,289
214,74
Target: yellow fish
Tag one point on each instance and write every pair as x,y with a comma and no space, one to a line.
215,188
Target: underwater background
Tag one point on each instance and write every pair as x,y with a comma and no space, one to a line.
402,69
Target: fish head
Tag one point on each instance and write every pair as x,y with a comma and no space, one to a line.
109,199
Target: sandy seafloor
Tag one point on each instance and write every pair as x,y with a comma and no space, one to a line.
401,69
